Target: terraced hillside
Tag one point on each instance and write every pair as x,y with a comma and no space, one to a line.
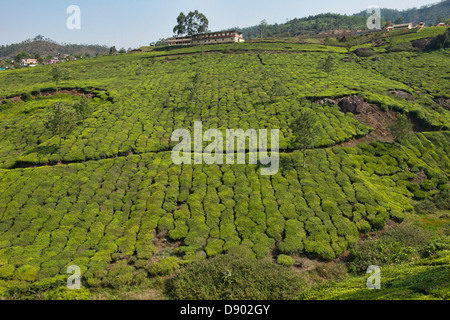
116,205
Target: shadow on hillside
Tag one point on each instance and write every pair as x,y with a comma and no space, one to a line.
44,150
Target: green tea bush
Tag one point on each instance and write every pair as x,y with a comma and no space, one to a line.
6,271
27,273
164,266
428,185
64,293
285,260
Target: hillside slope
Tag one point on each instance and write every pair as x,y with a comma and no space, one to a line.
329,21
117,206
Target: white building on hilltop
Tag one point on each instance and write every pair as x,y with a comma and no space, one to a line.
232,36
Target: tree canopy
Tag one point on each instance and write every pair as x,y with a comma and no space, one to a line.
192,24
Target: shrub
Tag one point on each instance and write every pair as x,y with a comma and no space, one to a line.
285,260
425,207
27,97
163,267
409,235
378,252
230,277
438,244
331,270
442,200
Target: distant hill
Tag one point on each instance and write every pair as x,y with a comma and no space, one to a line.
430,14
45,47
307,25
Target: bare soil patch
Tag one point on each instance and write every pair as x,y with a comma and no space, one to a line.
376,118
370,115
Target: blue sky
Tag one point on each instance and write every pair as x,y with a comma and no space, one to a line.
133,23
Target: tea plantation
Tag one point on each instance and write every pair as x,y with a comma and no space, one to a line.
121,210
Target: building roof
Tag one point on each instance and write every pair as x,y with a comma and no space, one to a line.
402,25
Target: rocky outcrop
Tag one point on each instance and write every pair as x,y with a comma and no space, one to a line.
353,104
402,94
327,101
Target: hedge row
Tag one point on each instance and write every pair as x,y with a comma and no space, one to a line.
108,216
155,96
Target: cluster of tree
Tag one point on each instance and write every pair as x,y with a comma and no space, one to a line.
160,43
113,50
191,24
328,21
307,25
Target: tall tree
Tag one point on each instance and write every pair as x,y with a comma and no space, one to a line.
262,27
61,122
305,130
196,23
400,128
399,20
112,50
58,74
82,108
180,28
328,65
193,24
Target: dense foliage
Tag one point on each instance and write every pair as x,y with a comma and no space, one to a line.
230,277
